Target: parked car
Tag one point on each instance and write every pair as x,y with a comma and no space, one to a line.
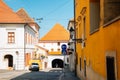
34,67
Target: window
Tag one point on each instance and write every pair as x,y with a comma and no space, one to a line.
111,10
77,33
84,32
58,49
26,38
52,49
94,15
11,37
30,38
58,43
85,68
80,64
84,28
67,60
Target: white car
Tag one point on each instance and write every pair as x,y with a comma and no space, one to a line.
34,67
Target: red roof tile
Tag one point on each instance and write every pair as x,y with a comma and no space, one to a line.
7,15
23,14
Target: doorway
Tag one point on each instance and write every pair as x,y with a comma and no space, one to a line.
10,60
110,62
85,68
57,63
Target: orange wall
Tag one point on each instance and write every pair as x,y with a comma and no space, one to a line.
112,41
55,53
105,39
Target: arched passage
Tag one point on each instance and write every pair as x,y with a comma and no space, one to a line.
57,63
10,60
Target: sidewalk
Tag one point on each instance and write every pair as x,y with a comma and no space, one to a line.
68,75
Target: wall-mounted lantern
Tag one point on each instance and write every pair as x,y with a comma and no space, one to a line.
68,43
17,53
70,50
71,29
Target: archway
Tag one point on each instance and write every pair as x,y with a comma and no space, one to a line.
57,63
10,60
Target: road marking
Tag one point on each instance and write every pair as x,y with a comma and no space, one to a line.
60,78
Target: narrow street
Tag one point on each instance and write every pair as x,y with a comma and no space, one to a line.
48,74
52,74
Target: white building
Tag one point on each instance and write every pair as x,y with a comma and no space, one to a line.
71,47
52,41
17,38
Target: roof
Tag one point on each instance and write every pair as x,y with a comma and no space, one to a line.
23,14
41,48
71,19
57,33
7,15
71,24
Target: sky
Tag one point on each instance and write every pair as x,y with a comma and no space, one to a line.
45,12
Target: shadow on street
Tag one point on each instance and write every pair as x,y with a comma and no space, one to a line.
40,75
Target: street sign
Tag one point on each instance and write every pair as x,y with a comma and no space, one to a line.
64,47
64,52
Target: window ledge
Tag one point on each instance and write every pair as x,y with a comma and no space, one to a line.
92,32
10,43
110,22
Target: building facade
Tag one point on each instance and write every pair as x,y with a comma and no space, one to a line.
13,46
30,39
42,56
97,39
71,45
53,41
17,39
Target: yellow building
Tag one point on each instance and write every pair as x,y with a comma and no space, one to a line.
98,39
